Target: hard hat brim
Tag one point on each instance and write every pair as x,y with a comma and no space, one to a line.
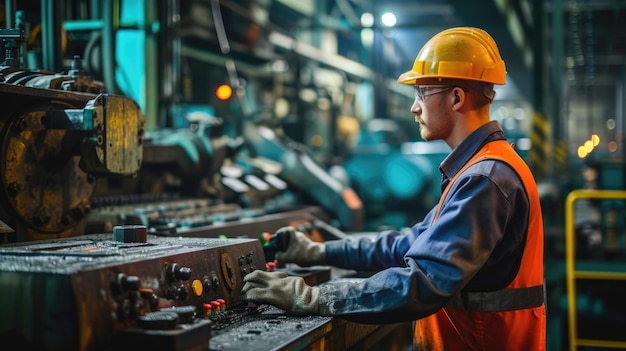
412,78
408,77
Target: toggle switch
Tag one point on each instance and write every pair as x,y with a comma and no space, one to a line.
175,272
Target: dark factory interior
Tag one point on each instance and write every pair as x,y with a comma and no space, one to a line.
150,149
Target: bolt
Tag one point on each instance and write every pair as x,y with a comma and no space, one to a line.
42,217
14,188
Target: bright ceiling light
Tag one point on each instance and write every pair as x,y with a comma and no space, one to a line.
389,19
367,20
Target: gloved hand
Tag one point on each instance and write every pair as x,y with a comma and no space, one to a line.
290,293
301,250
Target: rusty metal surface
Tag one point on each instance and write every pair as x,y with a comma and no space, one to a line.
116,147
40,93
50,156
201,218
40,172
77,293
74,81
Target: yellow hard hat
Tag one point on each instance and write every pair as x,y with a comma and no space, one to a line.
458,53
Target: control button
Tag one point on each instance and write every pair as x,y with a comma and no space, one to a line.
215,282
197,287
171,293
183,292
249,257
122,283
216,306
242,260
206,283
131,283
171,271
227,271
130,233
208,309
184,273
175,272
265,238
150,296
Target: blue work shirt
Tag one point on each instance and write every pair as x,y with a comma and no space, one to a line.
476,244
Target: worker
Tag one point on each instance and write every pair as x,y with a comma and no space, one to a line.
471,273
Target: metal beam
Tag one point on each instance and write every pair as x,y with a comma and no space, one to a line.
51,19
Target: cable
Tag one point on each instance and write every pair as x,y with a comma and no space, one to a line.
231,68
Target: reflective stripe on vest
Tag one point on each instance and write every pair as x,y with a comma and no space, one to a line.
499,301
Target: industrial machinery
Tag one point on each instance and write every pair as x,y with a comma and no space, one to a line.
171,284
57,135
173,218
130,289
299,167
201,185
76,161
394,174
77,293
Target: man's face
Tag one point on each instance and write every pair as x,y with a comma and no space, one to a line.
430,112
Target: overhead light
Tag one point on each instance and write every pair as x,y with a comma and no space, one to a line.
367,20
389,19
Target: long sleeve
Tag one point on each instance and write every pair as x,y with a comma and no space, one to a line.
418,272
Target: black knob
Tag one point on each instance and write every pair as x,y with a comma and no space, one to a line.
131,283
122,283
183,273
175,272
171,293
206,284
183,292
171,271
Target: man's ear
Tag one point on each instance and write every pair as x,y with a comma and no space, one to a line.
457,99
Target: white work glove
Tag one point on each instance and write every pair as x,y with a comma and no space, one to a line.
290,293
301,250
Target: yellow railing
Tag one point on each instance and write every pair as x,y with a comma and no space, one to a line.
572,273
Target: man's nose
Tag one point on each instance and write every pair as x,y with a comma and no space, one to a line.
416,108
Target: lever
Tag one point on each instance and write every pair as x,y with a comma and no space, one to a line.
274,243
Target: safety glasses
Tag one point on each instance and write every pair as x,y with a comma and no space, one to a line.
422,91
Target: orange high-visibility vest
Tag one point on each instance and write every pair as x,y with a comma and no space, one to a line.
513,318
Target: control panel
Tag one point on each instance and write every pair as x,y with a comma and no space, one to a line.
81,293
